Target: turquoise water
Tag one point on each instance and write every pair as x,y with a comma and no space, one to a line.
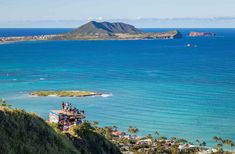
162,85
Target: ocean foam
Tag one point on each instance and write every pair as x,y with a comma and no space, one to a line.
52,95
106,95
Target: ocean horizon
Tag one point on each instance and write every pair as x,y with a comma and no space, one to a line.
164,85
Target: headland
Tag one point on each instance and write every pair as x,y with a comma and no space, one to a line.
100,31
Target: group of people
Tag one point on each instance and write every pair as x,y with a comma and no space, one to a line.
67,107
66,122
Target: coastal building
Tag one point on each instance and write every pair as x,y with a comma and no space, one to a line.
118,134
66,118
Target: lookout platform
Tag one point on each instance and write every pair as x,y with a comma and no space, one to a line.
66,117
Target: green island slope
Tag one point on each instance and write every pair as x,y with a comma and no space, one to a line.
27,133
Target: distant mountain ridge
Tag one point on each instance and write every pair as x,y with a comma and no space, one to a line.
105,28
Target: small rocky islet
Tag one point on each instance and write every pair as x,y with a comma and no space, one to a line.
65,93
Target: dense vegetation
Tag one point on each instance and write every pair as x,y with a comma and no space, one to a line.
157,144
85,138
27,133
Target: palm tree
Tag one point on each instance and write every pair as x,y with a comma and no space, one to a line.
216,139
3,103
220,139
115,128
173,139
86,124
220,144
132,130
228,143
232,145
198,142
203,144
182,141
149,136
108,132
219,147
2,100
95,123
163,138
156,133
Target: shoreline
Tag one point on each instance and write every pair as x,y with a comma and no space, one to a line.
11,42
174,34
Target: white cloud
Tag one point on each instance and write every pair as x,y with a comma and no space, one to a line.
213,22
90,18
100,18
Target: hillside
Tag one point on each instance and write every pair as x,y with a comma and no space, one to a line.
114,31
105,28
26,133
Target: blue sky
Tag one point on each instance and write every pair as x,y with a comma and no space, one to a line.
28,13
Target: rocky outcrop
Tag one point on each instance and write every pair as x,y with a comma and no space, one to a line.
198,34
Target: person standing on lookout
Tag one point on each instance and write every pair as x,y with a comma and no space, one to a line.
65,125
63,105
70,107
66,106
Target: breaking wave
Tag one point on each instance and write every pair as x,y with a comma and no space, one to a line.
106,95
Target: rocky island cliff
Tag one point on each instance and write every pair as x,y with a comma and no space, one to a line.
200,34
101,31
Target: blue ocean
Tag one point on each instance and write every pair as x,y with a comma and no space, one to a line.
165,85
